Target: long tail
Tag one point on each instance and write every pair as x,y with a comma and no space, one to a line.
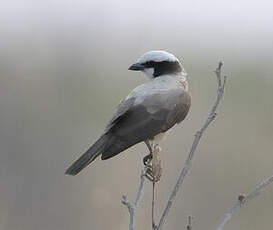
90,155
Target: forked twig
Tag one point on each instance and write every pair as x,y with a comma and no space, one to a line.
132,206
187,165
244,199
198,135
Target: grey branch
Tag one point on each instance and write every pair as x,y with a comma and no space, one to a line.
244,199
190,219
133,206
198,135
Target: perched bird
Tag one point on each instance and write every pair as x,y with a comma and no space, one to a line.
147,112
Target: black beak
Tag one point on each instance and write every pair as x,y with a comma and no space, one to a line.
136,67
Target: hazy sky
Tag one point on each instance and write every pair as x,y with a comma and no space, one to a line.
63,69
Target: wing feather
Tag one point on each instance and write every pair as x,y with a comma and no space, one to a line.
133,123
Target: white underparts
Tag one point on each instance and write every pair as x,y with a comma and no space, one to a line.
160,137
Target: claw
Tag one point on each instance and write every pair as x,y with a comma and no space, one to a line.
149,173
147,159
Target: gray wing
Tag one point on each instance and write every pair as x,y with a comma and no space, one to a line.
133,123
122,108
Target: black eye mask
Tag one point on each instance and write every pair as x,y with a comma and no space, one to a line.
163,67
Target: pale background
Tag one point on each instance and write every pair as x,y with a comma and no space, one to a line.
63,69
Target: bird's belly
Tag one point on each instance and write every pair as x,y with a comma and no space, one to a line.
159,137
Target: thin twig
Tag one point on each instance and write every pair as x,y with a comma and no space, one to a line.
244,199
140,191
198,135
132,206
156,171
189,226
153,207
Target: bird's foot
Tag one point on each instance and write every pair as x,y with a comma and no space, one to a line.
148,159
149,172
153,174
152,162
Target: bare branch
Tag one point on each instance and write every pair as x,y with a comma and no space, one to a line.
190,219
132,206
198,135
140,191
244,199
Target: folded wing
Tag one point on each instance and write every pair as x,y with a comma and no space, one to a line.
136,122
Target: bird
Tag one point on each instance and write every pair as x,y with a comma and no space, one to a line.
147,113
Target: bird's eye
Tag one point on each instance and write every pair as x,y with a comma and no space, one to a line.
149,64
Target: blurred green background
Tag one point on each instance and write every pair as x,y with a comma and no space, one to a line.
63,69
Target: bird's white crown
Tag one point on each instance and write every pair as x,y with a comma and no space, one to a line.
157,56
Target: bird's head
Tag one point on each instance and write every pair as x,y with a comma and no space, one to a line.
158,63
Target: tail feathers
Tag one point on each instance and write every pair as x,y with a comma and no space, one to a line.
90,155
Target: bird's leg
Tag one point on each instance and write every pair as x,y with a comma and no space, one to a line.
152,162
148,158
147,161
